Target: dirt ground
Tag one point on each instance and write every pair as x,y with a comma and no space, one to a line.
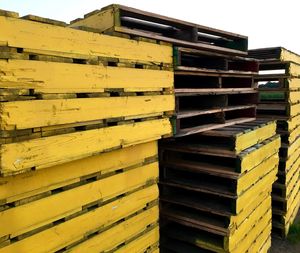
290,245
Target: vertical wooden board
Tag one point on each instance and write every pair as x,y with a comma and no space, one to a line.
141,244
34,182
252,176
255,157
68,232
23,218
50,151
72,78
256,136
23,114
111,238
262,185
64,41
102,20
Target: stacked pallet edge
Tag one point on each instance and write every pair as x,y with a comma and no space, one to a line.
279,87
81,114
128,131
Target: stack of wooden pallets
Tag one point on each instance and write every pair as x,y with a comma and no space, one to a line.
279,88
213,80
80,117
216,189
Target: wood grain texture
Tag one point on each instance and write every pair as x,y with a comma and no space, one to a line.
35,182
62,41
68,232
50,151
39,113
23,218
53,77
118,234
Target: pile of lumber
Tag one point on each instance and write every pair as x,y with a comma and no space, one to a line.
279,88
216,189
80,117
213,79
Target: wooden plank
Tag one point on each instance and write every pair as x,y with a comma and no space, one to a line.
237,234
247,241
260,186
34,182
256,136
122,232
68,42
287,55
29,216
237,220
206,127
22,114
249,178
68,232
142,243
50,151
252,157
76,78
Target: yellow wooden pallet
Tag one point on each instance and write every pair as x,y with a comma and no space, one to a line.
287,55
147,242
79,78
119,234
30,184
23,114
50,151
24,218
253,156
249,178
75,229
37,37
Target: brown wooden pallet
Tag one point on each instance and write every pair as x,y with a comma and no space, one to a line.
219,118
274,53
205,80
189,57
217,197
123,19
285,68
278,108
186,231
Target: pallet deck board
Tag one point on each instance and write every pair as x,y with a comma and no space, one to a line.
50,151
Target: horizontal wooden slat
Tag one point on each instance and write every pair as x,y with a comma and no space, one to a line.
34,182
118,234
252,157
142,243
70,231
63,41
76,78
21,219
50,151
39,113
